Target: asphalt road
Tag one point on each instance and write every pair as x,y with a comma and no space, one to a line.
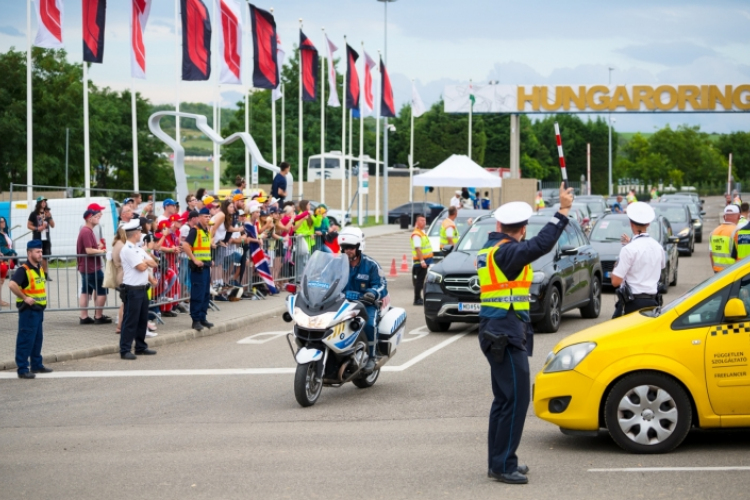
117,429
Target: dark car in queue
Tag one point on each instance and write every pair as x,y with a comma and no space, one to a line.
679,218
575,213
684,194
586,220
596,204
605,238
696,212
417,207
566,278
462,224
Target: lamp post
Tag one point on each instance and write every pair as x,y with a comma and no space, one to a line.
609,124
385,125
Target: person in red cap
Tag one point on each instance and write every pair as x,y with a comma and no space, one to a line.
90,250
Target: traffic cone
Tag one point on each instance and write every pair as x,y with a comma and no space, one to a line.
404,265
393,273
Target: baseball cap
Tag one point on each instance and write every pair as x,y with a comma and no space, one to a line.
273,210
41,198
207,200
164,223
205,211
127,200
254,207
177,218
168,202
95,207
239,197
88,213
732,209
261,199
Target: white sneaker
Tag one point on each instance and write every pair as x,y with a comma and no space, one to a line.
152,326
149,333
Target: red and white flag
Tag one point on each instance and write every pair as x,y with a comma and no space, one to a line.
333,98
280,55
230,42
367,97
49,16
138,19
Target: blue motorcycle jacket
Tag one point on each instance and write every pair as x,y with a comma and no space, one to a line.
367,276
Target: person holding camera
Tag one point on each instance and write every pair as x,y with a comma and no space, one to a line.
638,269
136,263
39,223
505,334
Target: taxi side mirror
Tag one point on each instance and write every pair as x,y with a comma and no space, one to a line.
735,309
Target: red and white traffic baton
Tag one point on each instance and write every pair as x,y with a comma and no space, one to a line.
562,157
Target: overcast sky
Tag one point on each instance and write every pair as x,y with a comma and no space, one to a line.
437,42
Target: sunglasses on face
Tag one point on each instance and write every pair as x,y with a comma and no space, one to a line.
348,247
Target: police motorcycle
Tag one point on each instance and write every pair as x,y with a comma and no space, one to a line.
329,341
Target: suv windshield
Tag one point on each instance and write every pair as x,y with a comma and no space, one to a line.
461,224
672,214
611,229
325,278
477,237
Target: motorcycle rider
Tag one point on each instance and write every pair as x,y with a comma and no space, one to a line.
367,283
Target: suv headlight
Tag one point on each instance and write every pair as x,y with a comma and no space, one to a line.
568,358
684,232
433,277
538,277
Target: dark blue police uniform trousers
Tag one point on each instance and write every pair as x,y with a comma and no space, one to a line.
29,340
134,321
200,293
511,388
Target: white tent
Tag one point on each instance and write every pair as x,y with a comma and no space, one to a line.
458,171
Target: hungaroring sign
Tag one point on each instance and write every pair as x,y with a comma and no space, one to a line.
598,98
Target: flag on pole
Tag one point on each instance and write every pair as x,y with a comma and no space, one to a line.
387,106
49,17
352,79
333,97
196,40
260,259
139,17
280,56
265,62
417,106
230,42
309,55
94,15
472,99
369,101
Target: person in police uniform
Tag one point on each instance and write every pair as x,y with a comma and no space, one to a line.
29,285
134,293
421,256
639,264
197,247
722,250
505,334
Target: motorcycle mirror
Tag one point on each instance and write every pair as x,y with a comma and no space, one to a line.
287,317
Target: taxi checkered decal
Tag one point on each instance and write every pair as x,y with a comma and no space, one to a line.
726,329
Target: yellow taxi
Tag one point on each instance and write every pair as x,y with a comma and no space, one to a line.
649,377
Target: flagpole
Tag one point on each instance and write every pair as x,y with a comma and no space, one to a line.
86,152
299,118
323,123
350,192
344,198
217,103
471,110
178,59
247,131
135,136
283,121
411,151
361,141
29,111
377,151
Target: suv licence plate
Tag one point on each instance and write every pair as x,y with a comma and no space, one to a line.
469,307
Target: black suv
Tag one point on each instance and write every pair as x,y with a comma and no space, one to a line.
566,278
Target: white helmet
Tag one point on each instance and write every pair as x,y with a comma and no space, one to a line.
352,235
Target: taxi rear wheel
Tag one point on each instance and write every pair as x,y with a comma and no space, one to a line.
648,413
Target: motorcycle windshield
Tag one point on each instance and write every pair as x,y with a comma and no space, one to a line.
324,280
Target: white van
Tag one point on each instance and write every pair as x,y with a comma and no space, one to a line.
334,169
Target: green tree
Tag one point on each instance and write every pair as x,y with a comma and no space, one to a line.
738,144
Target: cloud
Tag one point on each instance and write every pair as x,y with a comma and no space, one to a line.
668,53
10,30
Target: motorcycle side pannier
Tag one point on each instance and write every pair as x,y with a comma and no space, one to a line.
391,331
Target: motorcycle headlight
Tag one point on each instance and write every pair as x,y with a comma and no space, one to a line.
538,277
319,322
684,232
433,277
568,358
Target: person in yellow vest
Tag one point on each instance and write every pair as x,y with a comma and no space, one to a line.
29,285
539,201
722,240
741,236
744,214
197,247
654,193
448,230
421,255
505,334
631,198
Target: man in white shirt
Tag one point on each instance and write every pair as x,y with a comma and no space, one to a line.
134,293
456,200
639,264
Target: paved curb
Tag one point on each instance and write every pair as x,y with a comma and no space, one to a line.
168,338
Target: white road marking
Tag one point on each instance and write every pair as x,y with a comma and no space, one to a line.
671,469
227,371
420,332
255,339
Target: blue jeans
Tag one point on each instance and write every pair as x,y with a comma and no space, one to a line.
200,293
184,269
372,312
29,340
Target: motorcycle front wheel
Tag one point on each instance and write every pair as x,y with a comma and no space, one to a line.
307,387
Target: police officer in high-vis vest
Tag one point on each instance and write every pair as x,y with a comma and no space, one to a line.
421,256
197,247
448,230
741,238
505,334
29,285
721,250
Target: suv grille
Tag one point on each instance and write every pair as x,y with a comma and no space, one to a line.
608,265
462,285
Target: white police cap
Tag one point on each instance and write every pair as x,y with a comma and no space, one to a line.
515,212
132,225
640,213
